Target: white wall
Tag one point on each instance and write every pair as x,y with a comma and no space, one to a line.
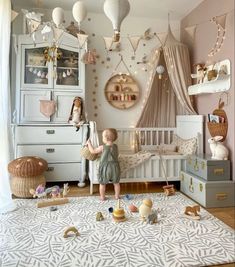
99,24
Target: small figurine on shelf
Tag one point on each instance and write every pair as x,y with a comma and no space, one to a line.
75,117
201,72
55,192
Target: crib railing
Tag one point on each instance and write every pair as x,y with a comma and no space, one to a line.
134,139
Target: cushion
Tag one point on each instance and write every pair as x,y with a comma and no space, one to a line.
185,146
168,147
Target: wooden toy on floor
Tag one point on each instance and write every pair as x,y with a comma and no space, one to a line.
169,190
152,218
133,208
119,213
54,192
70,229
99,216
192,212
145,208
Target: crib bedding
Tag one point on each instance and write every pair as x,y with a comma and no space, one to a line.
130,161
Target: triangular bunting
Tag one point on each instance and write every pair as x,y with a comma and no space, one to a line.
32,25
108,41
161,37
134,40
57,34
221,20
13,15
82,38
191,30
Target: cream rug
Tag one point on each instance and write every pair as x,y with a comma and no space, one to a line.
31,237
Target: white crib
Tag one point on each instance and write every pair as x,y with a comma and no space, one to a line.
154,170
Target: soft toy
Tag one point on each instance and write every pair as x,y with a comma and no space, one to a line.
218,150
145,208
75,117
201,71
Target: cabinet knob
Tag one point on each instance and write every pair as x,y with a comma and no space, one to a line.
50,131
50,169
50,150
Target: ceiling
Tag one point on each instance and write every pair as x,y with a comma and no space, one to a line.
139,8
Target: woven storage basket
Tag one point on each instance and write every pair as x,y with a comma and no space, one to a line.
27,166
20,186
85,153
219,129
26,173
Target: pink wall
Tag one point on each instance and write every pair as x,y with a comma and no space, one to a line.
199,47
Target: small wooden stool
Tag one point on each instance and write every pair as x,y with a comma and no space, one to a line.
26,173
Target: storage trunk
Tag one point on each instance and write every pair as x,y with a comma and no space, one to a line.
210,194
207,168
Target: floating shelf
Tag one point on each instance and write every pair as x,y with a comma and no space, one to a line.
221,83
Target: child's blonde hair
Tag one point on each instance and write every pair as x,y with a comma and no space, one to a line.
110,134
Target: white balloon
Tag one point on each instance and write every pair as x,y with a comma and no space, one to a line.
58,16
79,11
116,11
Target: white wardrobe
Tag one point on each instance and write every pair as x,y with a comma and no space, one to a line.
47,80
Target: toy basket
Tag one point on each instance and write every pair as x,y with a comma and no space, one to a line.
219,129
85,153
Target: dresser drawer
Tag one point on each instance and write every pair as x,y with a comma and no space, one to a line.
210,194
63,172
51,153
47,135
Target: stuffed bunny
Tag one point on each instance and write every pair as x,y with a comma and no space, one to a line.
218,150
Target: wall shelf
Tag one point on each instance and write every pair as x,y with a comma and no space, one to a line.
221,83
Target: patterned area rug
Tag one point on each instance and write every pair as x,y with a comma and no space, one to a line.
32,237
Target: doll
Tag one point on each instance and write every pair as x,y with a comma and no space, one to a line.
75,117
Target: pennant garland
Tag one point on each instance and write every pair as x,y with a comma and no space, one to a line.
14,14
82,38
108,41
220,23
32,25
134,41
191,30
161,36
57,34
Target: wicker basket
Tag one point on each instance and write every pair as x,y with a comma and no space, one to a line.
20,186
26,173
219,129
85,153
27,166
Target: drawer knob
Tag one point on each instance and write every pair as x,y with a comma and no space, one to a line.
50,150
50,169
50,131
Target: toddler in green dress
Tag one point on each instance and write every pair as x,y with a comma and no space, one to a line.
109,169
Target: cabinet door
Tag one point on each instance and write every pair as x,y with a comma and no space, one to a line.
69,69
64,101
30,105
37,72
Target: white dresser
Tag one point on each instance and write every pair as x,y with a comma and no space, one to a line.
58,145
59,81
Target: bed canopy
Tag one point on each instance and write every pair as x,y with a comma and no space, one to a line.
168,98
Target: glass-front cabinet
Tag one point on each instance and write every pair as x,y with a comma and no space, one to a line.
49,77
50,67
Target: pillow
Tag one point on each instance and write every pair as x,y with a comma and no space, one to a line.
185,146
168,147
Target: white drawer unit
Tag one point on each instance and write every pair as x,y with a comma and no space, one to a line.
63,172
210,194
59,145
47,135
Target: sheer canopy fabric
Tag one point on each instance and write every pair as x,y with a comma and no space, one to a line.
6,202
161,106
178,65
165,102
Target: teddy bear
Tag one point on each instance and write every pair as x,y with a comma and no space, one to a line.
75,117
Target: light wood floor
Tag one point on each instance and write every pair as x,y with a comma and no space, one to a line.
227,215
